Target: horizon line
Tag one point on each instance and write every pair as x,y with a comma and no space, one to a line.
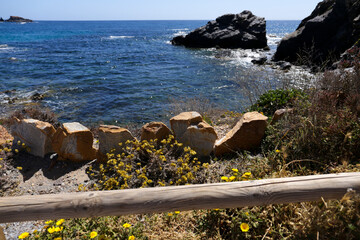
64,20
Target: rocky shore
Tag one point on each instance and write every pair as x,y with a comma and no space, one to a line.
321,38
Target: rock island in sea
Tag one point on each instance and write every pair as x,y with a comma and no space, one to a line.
16,19
243,30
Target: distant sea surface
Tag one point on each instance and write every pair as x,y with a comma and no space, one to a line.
120,71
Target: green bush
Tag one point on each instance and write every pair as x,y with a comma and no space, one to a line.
273,100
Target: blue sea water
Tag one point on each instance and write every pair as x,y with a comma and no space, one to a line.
120,71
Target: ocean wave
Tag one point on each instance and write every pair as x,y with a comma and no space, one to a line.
5,47
273,39
120,37
179,33
180,29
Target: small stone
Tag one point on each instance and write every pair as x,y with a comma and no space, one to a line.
280,113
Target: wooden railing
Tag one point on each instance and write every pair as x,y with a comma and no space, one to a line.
180,198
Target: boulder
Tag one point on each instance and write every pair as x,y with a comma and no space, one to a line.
259,61
181,122
280,113
190,129
201,138
74,142
17,19
109,139
1,19
155,130
283,65
243,30
246,135
332,27
36,135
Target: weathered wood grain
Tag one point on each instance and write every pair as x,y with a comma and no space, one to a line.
165,199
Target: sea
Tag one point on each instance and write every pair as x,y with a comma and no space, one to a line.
120,72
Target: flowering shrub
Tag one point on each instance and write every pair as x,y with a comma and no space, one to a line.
149,164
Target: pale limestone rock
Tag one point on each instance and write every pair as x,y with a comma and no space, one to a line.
201,138
246,135
109,139
155,130
280,113
181,122
74,142
37,135
190,129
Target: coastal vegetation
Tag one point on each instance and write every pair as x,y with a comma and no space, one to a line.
321,135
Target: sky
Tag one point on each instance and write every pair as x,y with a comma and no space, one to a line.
153,9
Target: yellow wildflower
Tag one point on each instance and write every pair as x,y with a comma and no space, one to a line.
51,229
235,170
277,151
224,178
170,214
246,175
232,178
61,221
58,238
48,222
16,151
93,234
126,225
244,227
177,212
19,168
132,237
24,235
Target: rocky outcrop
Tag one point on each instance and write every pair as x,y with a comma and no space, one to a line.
109,139
243,30
332,27
18,19
190,129
246,135
35,134
1,19
155,130
74,142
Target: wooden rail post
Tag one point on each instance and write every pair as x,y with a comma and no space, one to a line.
165,199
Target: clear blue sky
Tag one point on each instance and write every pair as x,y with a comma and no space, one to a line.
153,9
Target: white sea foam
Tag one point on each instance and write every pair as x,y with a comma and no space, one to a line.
5,47
273,39
179,33
180,29
120,37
